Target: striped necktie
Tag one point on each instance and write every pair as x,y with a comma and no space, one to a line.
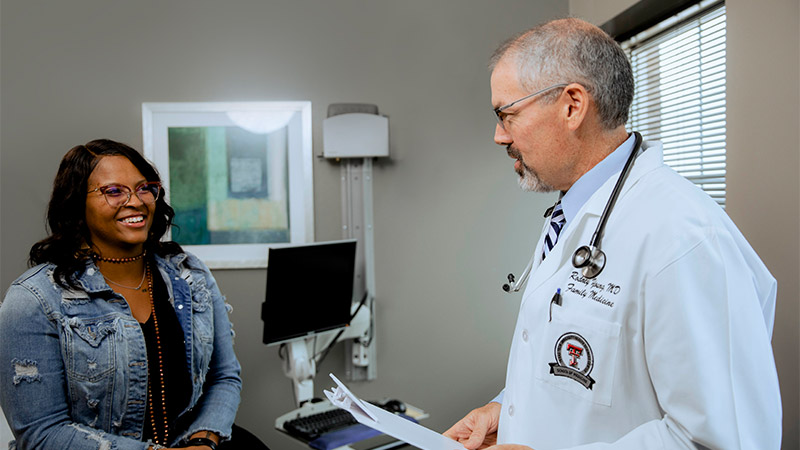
557,221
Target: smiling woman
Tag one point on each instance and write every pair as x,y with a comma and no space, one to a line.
118,221
115,339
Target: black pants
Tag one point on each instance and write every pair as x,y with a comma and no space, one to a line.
242,439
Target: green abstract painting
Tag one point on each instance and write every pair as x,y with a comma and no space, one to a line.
228,185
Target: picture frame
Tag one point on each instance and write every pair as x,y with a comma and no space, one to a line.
238,174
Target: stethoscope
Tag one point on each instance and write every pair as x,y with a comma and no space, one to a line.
589,258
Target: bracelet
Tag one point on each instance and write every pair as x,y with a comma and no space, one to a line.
202,441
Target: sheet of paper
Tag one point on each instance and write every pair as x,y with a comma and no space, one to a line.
387,422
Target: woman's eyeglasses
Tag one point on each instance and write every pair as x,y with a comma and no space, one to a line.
117,195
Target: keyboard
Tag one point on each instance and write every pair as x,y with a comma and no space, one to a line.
313,426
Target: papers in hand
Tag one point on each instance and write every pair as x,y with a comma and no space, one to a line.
387,422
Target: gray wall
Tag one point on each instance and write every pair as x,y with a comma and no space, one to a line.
763,159
450,221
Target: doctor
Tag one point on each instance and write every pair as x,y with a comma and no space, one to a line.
668,346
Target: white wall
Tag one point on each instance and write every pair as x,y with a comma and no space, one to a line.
763,157
450,221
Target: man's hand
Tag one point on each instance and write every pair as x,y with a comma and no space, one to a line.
478,429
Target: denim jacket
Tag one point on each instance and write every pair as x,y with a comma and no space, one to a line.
73,363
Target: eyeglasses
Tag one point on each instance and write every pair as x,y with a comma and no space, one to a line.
498,112
117,195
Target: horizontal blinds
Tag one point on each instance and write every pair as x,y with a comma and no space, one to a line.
680,97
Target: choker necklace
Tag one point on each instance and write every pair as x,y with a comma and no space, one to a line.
135,288
119,260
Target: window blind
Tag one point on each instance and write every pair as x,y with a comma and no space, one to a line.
679,73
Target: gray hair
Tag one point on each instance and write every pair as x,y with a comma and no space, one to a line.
573,51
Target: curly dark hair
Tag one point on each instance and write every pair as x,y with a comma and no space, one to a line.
66,214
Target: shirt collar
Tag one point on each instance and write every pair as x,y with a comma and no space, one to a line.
573,200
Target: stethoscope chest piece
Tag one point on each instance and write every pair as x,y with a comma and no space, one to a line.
591,260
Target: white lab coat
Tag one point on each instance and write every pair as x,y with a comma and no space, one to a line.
668,346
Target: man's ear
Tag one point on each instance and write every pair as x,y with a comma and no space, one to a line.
576,105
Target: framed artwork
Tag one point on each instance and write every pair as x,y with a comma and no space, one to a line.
238,174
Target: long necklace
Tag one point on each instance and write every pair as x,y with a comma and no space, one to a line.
135,288
119,260
165,441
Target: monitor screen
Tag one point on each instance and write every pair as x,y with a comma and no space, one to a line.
309,289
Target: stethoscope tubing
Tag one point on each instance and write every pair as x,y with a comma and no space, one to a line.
601,226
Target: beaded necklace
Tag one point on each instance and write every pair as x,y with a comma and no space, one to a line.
119,260
165,441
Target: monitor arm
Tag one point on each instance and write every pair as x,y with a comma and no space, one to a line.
300,364
300,368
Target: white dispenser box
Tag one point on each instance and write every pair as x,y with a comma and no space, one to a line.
355,135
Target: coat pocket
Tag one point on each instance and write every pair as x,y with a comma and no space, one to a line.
580,356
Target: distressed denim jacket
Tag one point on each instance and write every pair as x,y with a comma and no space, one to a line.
73,363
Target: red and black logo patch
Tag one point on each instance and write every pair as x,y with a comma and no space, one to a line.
574,359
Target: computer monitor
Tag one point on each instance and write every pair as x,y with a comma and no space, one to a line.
309,289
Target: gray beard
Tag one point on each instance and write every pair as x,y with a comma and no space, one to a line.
530,181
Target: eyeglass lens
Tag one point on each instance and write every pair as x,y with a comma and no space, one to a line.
117,195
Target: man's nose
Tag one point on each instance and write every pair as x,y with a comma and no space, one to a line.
501,136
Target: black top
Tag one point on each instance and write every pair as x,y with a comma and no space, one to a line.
177,381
